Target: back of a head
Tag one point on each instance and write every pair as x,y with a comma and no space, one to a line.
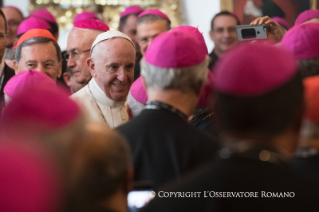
100,168
258,96
170,64
132,10
48,17
32,23
137,97
303,42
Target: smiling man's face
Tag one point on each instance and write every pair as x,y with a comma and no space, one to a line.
112,67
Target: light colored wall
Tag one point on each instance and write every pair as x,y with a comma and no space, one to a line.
21,4
199,13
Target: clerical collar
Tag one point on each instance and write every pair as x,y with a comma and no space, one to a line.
156,105
100,96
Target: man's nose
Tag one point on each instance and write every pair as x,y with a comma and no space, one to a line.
121,75
71,62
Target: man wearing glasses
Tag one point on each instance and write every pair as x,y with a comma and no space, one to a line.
79,43
223,34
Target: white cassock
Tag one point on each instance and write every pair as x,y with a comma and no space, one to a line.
96,102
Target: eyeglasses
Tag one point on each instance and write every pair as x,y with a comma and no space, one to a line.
74,54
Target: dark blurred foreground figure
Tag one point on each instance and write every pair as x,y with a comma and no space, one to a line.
306,160
260,105
101,173
303,42
164,145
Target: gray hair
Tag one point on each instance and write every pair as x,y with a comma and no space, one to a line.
188,79
37,40
135,106
152,18
9,54
309,67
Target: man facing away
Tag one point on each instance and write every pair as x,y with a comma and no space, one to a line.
163,144
260,105
112,69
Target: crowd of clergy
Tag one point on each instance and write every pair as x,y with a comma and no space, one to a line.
147,105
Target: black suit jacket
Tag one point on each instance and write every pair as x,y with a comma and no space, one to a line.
164,146
8,73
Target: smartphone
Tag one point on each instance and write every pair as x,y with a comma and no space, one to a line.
248,32
140,196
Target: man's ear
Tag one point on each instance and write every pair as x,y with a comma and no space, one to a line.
67,79
60,69
15,66
211,35
91,66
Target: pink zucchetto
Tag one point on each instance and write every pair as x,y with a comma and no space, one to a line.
154,12
198,35
47,108
174,49
32,23
84,15
44,14
30,180
131,10
92,24
208,88
25,79
302,41
254,69
138,92
306,16
281,21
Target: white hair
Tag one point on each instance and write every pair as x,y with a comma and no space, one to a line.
135,106
188,79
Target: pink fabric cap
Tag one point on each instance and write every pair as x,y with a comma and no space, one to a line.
254,69
29,179
169,50
281,21
84,15
154,12
306,16
138,92
208,88
311,85
92,24
44,14
47,108
302,41
198,35
131,10
26,79
32,23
